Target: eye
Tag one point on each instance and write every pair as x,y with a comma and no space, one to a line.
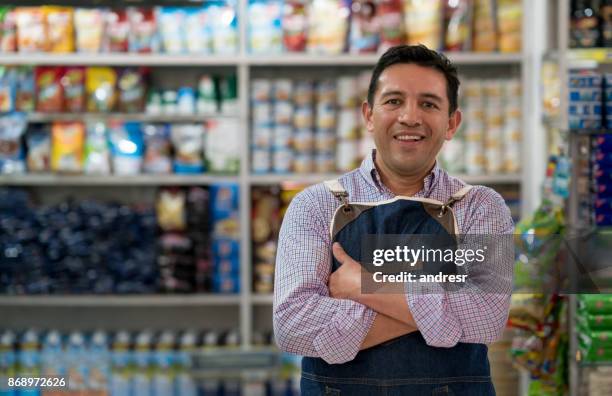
430,105
393,102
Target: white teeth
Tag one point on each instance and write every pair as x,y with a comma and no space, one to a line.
408,137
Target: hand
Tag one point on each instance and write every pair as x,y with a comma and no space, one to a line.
345,282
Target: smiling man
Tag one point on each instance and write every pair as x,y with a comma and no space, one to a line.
402,343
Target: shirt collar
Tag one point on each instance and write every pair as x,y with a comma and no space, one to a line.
369,172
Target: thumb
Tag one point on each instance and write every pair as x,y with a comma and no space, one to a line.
339,253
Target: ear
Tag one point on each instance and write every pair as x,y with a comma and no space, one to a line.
366,112
453,124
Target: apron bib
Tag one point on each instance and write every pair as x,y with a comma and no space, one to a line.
405,365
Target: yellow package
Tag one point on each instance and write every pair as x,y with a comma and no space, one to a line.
60,30
509,21
89,29
485,32
31,29
67,146
423,22
100,86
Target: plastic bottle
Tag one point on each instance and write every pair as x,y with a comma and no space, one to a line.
184,382
52,356
143,365
28,360
99,362
122,367
8,362
164,358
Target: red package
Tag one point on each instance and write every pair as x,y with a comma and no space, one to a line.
73,84
117,31
143,28
49,92
295,24
8,30
390,18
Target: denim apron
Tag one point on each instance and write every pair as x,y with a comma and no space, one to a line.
405,365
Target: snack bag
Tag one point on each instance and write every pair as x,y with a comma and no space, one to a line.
364,33
389,15
25,89
222,150
295,25
89,27
423,21
157,157
188,141
127,147
509,22
73,84
100,86
67,143
171,20
38,141
49,92
97,151
458,25
12,128
143,36
485,33
60,30
31,29
117,31
224,23
197,29
8,30
265,26
328,26
171,210
8,82
131,87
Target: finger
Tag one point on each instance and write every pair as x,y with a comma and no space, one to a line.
340,254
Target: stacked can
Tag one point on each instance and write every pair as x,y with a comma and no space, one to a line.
282,132
303,124
325,135
261,144
348,152
474,130
367,139
451,156
494,122
585,100
512,126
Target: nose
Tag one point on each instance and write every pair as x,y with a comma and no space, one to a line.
410,115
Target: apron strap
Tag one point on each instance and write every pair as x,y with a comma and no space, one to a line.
336,188
457,196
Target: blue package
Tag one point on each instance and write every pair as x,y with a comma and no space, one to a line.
226,267
12,155
603,142
226,284
225,248
8,89
224,200
603,191
585,94
602,159
127,148
188,142
584,108
585,79
603,206
265,26
603,220
584,122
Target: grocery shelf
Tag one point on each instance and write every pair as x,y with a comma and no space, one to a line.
262,299
118,59
120,300
143,117
33,179
313,178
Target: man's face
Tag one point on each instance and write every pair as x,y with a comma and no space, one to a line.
409,118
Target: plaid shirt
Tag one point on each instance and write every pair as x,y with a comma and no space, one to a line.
307,321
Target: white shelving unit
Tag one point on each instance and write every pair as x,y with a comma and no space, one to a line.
243,63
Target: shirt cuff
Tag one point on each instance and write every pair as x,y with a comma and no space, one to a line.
431,313
348,327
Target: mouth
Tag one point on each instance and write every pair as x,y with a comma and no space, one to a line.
409,138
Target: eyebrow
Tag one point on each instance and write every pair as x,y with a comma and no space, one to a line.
426,95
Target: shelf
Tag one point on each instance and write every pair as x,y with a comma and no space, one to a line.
122,301
50,117
118,59
270,179
33,179
284,59
262,299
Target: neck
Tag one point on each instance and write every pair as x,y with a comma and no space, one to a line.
402,184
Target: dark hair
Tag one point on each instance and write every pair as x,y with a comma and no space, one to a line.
422,56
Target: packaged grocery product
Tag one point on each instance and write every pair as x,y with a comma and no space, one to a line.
49,92
73,86
303,163
295,25
282,160
143,36
197,29
171,210
389,15
303,117
265,26
131,88
186,101
60,29
261,90
348,124
347,92
423,21
157,157
121,364
117,31
327,26
38,141
303,141
283,89
67,146
99,360
25,89
224,199
263,136
509,20
224,24
127,147
100,86
97,150
364,33
188,142
207,95
326,92
28,358
222,150
12,156
325,140
170,102
51,356
76,361
261,159
163,361
262,113
8,30
283,112
171,20
31,29
8,86
326,115
485,31
89,29
228,94
458,25
324,163
282,136
452,156
303,93
346,155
